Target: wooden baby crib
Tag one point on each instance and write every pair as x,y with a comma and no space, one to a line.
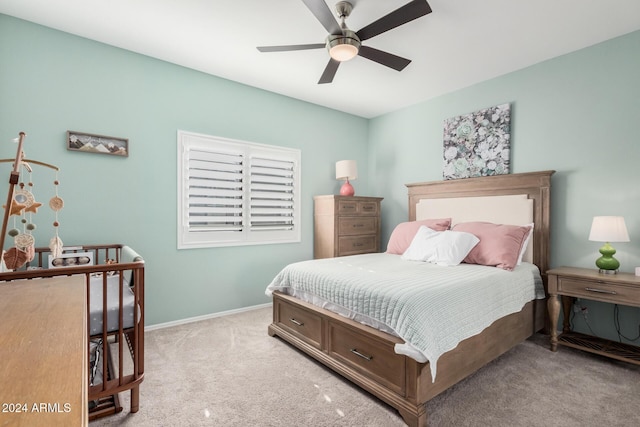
116,271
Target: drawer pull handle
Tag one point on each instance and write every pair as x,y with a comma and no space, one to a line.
357,245
601,291
364,356
296,322
358,225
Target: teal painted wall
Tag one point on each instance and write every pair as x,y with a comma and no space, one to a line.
577,114
51,82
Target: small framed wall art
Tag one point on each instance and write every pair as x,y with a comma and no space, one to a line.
90,143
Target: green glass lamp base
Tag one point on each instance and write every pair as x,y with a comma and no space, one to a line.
607,263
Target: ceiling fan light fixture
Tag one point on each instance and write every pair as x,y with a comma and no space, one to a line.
342,44
343,47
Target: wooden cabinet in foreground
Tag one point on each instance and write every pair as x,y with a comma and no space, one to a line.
43,352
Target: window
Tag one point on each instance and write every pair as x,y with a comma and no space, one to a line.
234,193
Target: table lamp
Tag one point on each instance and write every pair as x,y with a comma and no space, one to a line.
346,169
608,229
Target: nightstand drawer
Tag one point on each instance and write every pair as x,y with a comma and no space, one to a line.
350,226
357,245
599,290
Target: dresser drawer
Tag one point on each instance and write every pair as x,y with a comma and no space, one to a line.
300,322
349,226
372,356
357,245
600,291
368,208
360,207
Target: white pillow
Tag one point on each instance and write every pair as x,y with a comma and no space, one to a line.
443,248
525,244
418,246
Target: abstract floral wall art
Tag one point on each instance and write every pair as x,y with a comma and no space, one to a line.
477,144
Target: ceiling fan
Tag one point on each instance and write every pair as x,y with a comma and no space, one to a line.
344,44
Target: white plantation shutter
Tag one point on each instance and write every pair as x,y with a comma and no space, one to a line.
215,191
272,194
236,193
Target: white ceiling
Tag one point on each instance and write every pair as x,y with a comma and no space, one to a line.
461,43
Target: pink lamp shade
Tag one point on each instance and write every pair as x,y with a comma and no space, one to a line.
346,169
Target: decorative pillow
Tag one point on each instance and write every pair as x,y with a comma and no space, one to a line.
525,244
442,248
404,232
499,246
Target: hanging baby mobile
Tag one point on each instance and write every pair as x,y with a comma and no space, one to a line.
20,208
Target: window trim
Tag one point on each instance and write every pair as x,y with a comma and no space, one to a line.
287,230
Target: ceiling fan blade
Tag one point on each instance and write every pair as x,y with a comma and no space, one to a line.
323,14
388,59
400,16
329,71
290,47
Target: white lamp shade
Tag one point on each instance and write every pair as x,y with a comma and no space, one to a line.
608,229
346,169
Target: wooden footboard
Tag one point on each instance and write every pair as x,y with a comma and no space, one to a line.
117,343
366,356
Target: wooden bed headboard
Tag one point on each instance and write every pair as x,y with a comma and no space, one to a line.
535,186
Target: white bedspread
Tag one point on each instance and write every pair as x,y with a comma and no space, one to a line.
432,308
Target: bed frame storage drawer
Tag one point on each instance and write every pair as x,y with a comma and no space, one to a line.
364,352
300,322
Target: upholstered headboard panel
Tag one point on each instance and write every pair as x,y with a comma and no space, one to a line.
535,186
511,209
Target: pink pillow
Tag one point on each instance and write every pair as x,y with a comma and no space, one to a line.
404,233
499,245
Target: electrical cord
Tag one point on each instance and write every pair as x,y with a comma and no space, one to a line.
616,321
571,316
586,321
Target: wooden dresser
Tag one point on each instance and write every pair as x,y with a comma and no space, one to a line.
43,352
346,225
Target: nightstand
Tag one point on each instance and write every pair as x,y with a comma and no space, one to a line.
571,283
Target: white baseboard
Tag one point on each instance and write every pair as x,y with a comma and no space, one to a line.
205,317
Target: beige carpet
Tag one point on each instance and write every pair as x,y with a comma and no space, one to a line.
228,372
